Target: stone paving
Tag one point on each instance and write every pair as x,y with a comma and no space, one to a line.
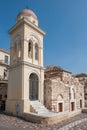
78,122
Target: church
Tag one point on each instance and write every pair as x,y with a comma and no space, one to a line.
33,89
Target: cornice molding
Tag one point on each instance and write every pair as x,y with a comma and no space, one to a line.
7,52
22,63
27,22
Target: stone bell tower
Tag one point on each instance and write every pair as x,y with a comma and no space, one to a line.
26,72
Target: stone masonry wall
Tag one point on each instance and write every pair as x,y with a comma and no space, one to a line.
65,90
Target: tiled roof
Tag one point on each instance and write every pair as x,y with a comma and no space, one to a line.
4,51
55,68
28,12
81,75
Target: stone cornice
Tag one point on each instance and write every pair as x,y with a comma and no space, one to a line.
2,50
27,64
27,22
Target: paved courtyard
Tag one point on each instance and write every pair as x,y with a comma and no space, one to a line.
78,122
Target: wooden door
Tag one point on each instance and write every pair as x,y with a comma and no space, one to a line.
80,103
60,107
72,106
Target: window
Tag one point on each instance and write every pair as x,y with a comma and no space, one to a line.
6,59
34,22
5,73
36,52
19,49
72,94
30,49
14,51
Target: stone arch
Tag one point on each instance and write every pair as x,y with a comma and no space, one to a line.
35,45
33,71
34,38
33,86
60,97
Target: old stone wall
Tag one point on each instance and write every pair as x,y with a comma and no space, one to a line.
83,80
64,94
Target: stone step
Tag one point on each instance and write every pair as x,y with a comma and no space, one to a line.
38,107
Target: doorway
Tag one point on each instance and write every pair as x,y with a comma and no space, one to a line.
80,103
72,106
60,107
33,87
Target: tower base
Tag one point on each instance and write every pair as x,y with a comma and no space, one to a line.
17,107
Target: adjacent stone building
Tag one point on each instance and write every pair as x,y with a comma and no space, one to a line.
4,64
83,80
63,91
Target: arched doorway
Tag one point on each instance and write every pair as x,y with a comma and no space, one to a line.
33,87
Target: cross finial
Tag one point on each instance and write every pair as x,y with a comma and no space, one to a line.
27,7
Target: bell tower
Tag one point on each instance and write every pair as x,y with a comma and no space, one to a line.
26,72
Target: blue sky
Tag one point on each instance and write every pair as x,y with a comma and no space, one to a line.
65,24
